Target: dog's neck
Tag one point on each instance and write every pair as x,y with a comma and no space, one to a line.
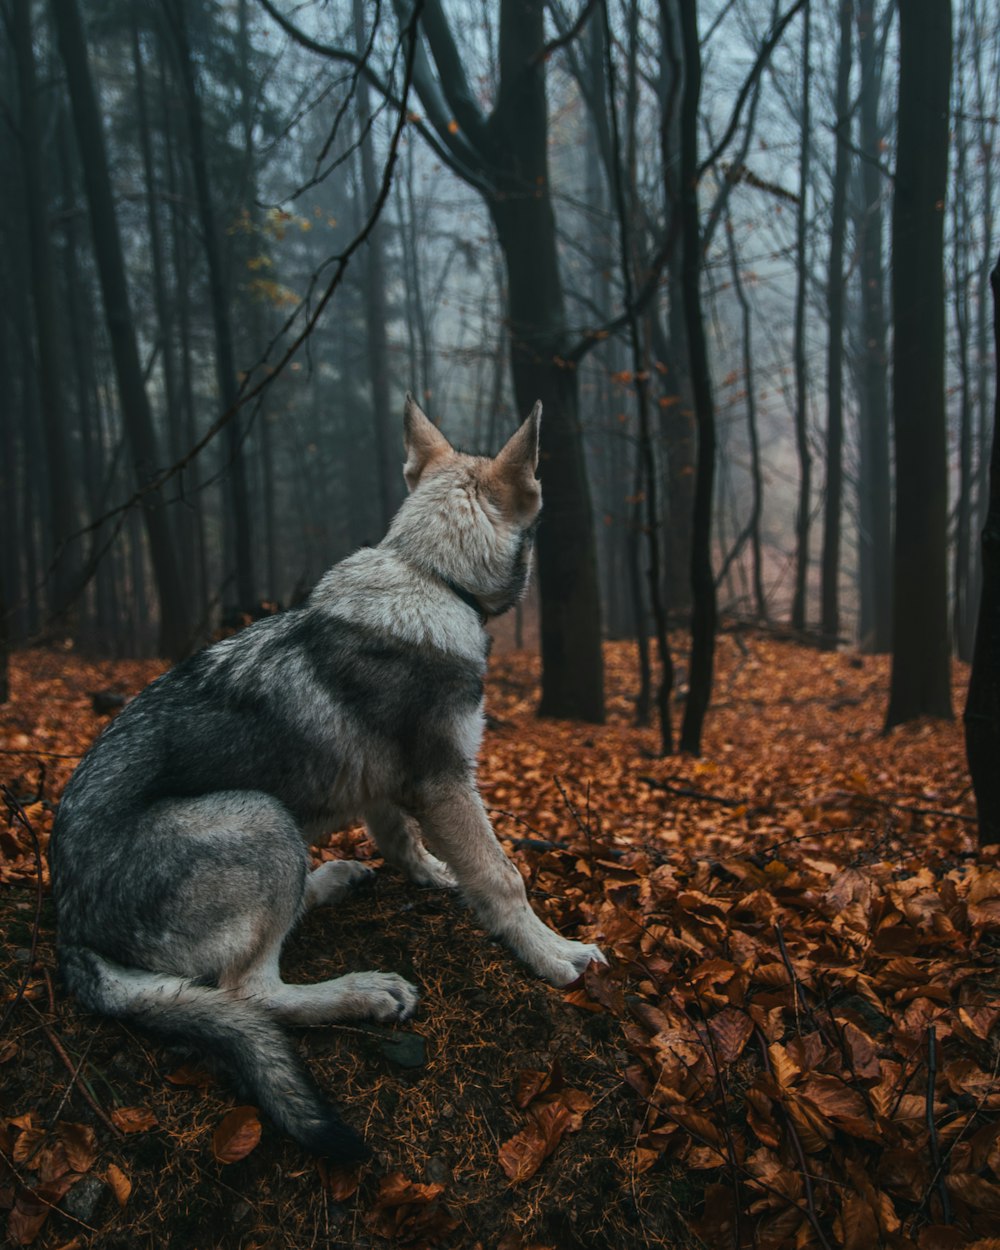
468,598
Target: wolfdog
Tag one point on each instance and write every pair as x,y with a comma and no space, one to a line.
179,864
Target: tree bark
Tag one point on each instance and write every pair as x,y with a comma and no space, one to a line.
799,350
703,607
982,707
875,490
175,627
62,491
238,508
920,684
387,441
521,208
830,565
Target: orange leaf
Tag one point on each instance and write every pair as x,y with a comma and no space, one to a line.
120,1184
522,1156
133,1119
237,1135
81,1145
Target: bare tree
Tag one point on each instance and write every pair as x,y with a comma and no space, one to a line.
921,677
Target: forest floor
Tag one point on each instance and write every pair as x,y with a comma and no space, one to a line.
795,1044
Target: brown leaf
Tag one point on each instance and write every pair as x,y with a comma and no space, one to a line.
236,1135
407,1212
861,1051
974,1191
133,1119
531,1084
860,1228
191,1074
524,1153
80,1142
341,1181
120,1184
731,1029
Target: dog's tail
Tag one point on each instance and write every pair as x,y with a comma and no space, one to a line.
244,1035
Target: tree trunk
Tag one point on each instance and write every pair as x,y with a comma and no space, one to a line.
703,608
238,506
920,683
830,567
963,623
572,662
799,349
62,492
875,489
982,707
175,628
388,441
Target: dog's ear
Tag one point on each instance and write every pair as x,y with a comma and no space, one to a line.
423,441
518,458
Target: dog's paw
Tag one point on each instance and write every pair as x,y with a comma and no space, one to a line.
333,880
566,963
383,996
430,872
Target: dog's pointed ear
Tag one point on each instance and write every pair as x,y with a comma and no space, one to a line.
519,456
422,440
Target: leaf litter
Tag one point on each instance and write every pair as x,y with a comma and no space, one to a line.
795,1044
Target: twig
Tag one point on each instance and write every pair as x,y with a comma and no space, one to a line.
796,1141
95,1106
73,1079
931,1126
685,793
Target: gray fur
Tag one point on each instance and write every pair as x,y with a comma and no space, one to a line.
179,864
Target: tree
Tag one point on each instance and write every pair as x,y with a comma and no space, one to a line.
920,683
799,349
703,606
874,489
830,567
504,156
238,505
62,491
982,707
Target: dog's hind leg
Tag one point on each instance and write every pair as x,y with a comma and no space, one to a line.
245,885
397,837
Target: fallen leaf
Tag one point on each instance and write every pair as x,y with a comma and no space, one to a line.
236,1135
120,1184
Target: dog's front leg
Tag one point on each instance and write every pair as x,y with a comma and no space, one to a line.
457,829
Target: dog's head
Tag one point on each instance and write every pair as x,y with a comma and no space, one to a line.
470,519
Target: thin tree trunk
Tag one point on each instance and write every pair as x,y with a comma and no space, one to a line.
982,707
387,438
703,611
647,455
238,517
752,530
875,493
920,684
830,566
799,349
175,629
963,626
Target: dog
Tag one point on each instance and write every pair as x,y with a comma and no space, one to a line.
179,857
